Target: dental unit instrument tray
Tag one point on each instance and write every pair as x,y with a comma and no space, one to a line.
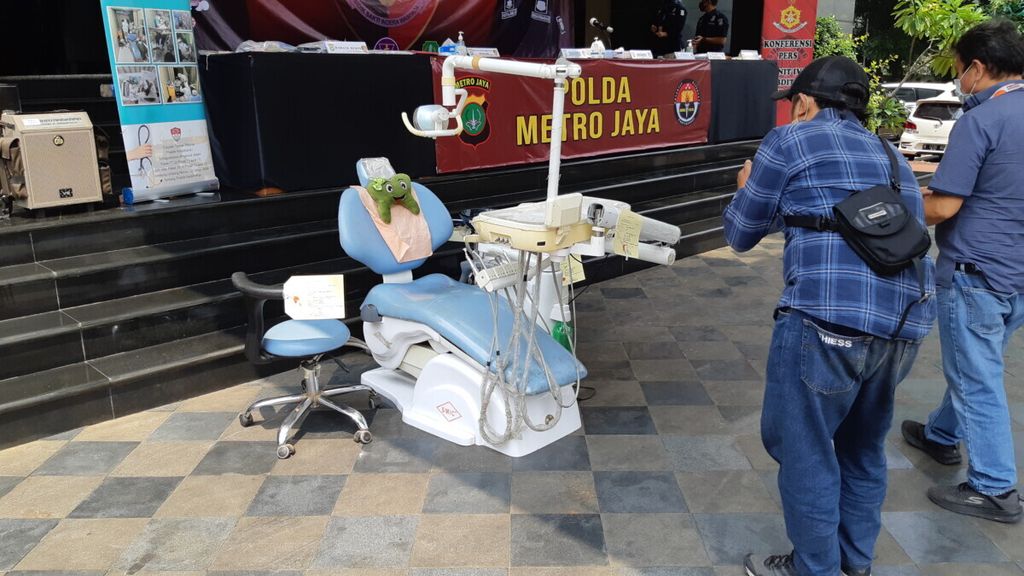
524,227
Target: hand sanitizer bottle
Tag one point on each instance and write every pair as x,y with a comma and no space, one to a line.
460,46
689,47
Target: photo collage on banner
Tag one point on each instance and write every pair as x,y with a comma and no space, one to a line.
155,54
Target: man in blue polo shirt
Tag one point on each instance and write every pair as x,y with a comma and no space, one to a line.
838,350
977,201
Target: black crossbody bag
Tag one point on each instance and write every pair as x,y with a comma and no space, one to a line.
878,227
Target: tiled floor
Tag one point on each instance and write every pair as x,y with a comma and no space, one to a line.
668,476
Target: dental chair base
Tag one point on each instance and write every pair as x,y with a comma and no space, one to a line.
445,401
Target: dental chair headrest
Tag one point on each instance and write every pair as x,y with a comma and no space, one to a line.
369,168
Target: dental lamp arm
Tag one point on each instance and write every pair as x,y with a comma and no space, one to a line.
605,213
439,117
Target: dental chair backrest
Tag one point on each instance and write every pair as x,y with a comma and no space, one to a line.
359,236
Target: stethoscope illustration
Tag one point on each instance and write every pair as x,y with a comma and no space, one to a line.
146,163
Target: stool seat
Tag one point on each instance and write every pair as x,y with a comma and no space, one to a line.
304,338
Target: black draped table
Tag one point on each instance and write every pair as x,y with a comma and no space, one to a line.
301,121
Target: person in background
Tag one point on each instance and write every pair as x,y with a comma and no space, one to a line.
838,348
977,202
712,29
669,21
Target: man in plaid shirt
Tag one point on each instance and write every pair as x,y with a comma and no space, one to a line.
835,359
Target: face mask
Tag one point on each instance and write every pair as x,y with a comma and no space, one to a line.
961,94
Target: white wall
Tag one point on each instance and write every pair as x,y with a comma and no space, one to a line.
843,10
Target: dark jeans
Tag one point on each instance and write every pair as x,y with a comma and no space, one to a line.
828,406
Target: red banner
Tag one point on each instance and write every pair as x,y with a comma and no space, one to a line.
787,37
615,106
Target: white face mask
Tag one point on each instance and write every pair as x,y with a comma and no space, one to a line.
959,86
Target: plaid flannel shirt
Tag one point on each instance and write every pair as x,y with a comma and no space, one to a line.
807,168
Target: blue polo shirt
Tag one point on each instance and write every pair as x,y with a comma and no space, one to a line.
984,165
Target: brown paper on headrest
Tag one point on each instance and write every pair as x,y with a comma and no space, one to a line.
408,235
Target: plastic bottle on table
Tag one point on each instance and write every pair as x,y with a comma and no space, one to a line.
460,46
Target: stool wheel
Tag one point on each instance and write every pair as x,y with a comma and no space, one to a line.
245,419
285,451
363,437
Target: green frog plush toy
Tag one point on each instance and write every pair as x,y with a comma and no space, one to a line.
397,190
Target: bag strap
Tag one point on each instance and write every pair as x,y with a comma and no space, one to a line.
827,224
894,166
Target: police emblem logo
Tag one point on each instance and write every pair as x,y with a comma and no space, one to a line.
475,128
509,10
687,102
176,134
541,12
790,19
389,13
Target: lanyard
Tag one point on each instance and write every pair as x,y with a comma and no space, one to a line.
1008,88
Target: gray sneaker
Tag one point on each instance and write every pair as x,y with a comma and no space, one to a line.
963,499
777,565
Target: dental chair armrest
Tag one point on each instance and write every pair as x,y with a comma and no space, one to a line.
255,296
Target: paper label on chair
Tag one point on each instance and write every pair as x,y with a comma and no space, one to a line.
627,234
572,270
315,297
449,412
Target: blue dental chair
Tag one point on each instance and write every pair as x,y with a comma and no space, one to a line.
432,336
305,340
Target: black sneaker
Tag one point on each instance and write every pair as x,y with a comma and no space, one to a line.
778,565
852,572
913,433
963,499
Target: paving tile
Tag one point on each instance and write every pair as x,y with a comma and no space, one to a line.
398,455
83,544
623,293
653,540
565,571
587,351
451,457
297,496
195,426
18,537
7,483
676,393
316,456
458,572
907,492
732,491
126,498
357,572
675,571
935,537
615,393
730,370
888,551
741,420
697,334
702,453
663,370
176,544
567,454
1005,569
735,393
251,458
710,351
47,496
163,459
652,350
367,542
468,493
1006,536
629,420
554,493
86,459
610,370
447,541
753,448
211,497
383,494
623,452
729,537
22,460
131,428
558,540
638,492
688,420
234,399
271,544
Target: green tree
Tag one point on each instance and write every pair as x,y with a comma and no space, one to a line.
830,40
1012,10
883,112
938,24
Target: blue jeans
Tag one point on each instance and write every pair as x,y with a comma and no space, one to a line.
975,327
827,408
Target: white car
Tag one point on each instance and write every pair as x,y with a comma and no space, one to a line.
911,92
927,129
